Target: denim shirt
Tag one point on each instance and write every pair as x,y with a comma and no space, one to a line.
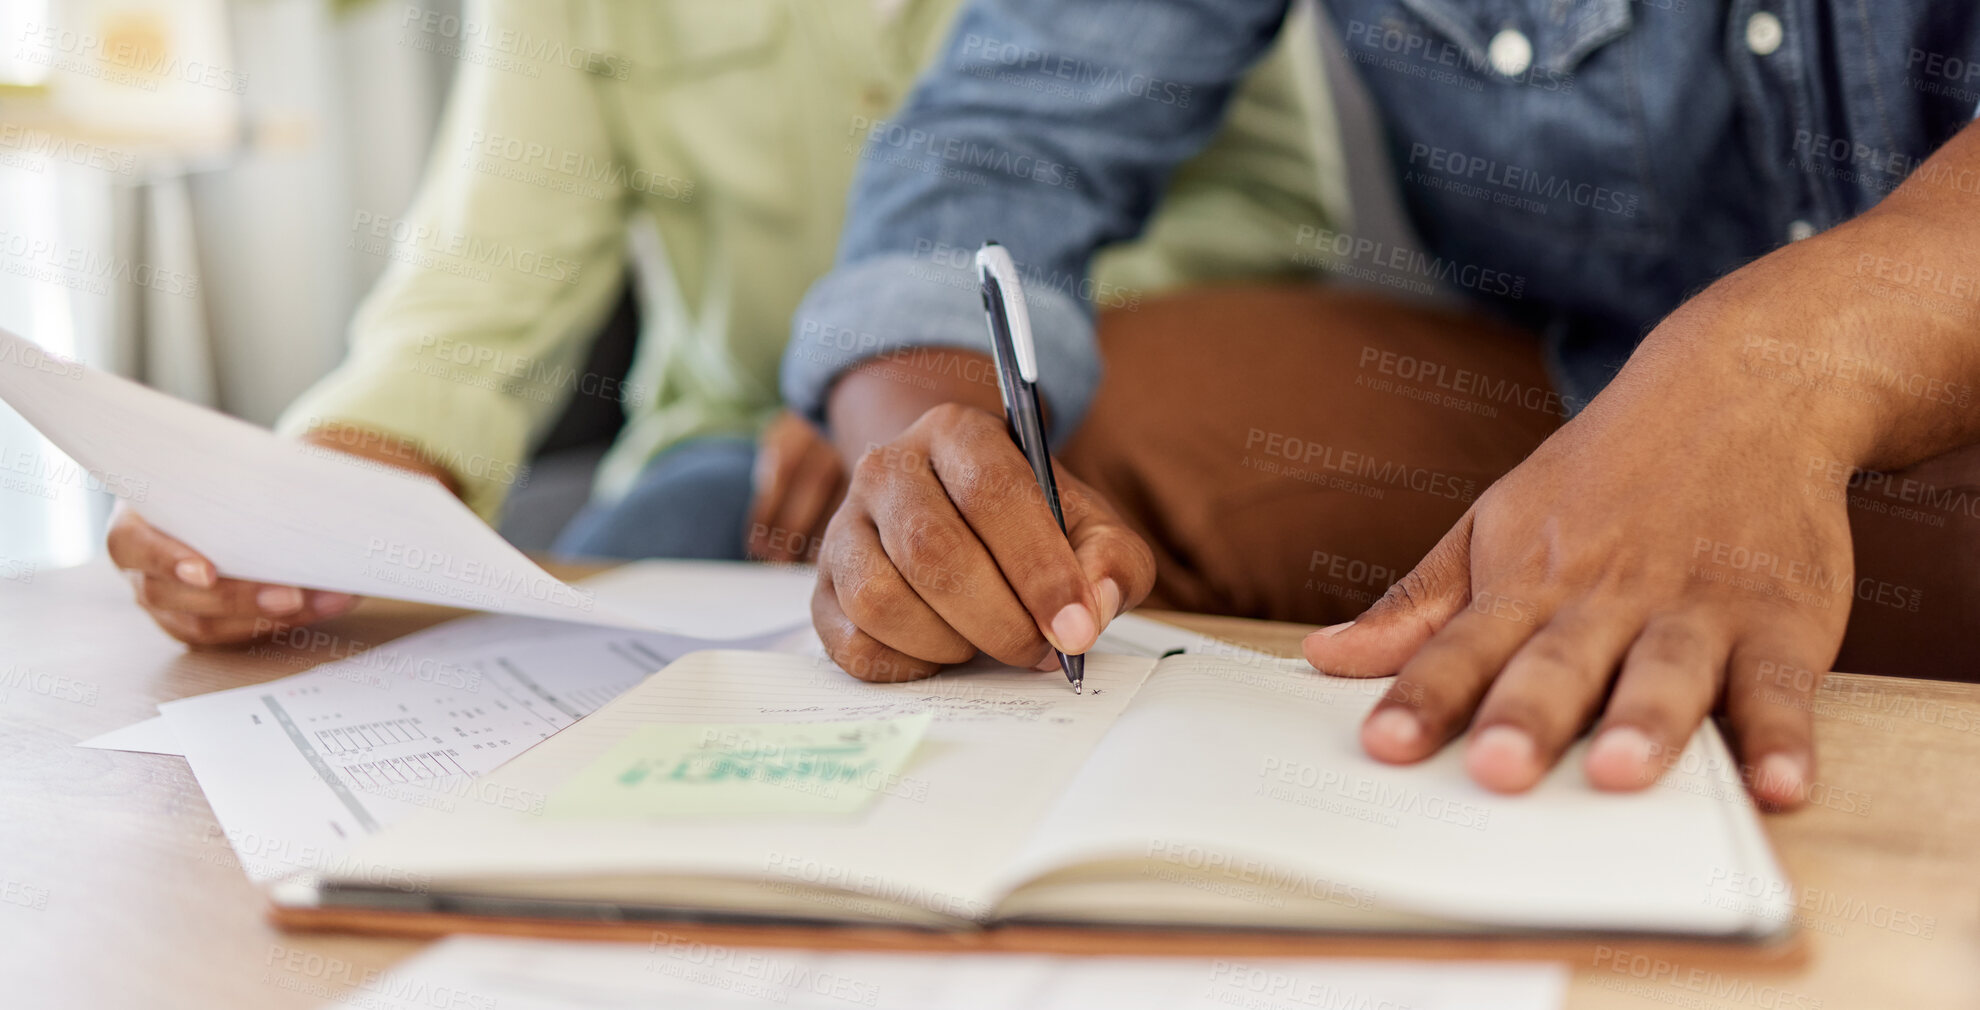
1579,166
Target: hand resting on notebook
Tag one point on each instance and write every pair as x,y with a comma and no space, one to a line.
1646,561
1667,551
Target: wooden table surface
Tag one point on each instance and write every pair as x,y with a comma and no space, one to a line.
118,889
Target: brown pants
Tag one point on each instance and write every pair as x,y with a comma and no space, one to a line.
1289,452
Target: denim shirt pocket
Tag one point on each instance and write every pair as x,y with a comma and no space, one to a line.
1573,29
1515,118
1560,33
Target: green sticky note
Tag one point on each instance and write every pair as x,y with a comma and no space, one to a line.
669,769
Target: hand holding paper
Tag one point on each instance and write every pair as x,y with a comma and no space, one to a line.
235,504
181,590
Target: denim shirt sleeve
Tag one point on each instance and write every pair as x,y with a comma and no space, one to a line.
1048,125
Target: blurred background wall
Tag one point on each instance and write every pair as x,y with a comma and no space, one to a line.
178,185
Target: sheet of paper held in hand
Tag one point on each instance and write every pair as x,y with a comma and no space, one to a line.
271,509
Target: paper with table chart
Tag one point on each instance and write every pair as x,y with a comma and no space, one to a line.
704,593
670,971
272,509
297,768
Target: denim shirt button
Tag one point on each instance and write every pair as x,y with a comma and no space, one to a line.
1799,230
1764,33
1510,53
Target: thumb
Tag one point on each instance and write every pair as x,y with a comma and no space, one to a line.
1382,639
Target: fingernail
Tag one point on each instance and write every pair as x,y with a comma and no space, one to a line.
1780,778
1110,599
1394,731
1621,756
193,573
1334,629
278,599
1502,758
1073,629
327,603
1050,663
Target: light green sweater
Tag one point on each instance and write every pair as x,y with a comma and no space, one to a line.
717,141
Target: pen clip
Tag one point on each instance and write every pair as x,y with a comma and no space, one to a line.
993,262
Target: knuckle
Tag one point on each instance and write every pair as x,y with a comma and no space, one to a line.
1434,699
1429,683
854,657
202,631
867,600
1043,577
872,469
997,466
1405,594
1015,643
836,549
889,464
238,598
952,417
1525,712
1662,718
1671,643
1406,693
931,546
118,544
828,613
868,660
976,486
1125,553
1552,656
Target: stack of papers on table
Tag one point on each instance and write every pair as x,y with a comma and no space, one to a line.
297,769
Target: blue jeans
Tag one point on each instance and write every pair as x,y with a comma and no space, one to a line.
692,501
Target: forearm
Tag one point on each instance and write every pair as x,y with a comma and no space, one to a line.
997,144
879,398
1865,339
380,447
1916,275
473,340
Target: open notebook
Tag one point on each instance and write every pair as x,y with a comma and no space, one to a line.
1192,791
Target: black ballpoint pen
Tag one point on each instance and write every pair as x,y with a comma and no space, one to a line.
1017,378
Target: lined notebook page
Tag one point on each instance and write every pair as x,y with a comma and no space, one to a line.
1002,744
1219,762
